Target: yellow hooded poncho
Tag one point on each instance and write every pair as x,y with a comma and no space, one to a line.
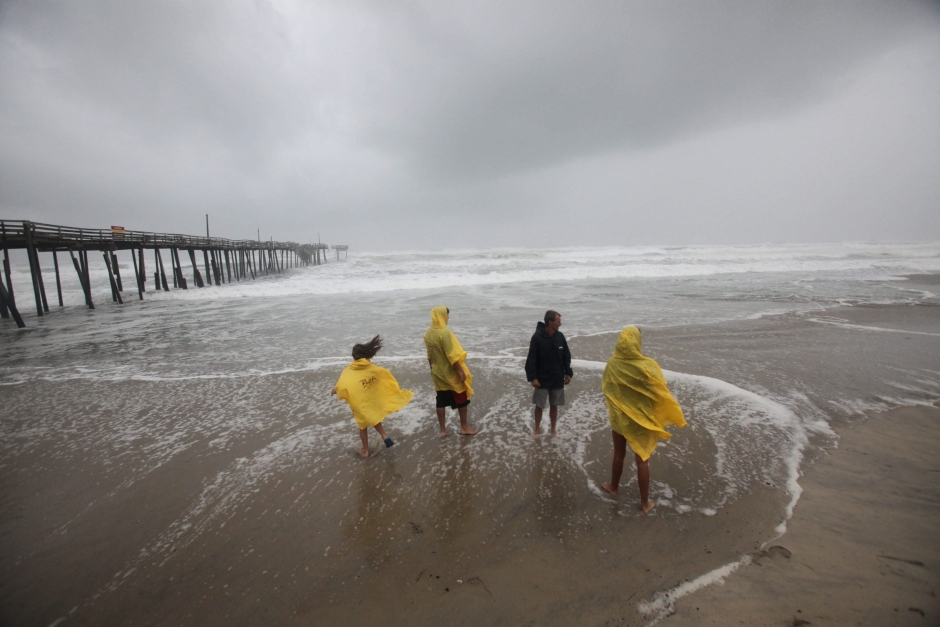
371,391
444,350
639,404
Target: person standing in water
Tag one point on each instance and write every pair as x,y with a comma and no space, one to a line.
548,368
371,391
640,407
452,378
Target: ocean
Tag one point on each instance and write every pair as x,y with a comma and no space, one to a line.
171,457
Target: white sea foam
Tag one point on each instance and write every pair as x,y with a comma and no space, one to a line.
663,603
381,272
836,322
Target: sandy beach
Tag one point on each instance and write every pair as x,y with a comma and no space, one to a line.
863,546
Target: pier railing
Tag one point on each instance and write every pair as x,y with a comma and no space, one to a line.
48,237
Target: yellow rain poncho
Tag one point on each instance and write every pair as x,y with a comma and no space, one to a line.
371,391
639,404
444,350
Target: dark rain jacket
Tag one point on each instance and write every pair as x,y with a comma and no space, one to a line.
549,359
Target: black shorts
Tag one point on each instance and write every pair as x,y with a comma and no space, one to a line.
449,398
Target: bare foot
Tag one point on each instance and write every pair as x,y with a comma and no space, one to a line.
537,432
468,431
645,507
554,433
610,489
364,452
444,433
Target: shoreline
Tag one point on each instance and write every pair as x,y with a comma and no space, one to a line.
862,546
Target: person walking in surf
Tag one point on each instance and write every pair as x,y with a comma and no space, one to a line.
452,378
371,392
640,407
548,369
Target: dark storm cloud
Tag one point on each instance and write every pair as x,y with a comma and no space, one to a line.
527,87
382,123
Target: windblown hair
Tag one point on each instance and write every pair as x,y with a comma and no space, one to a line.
550,316
367,350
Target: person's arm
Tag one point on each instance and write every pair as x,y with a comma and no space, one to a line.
531,363
448,346
566,359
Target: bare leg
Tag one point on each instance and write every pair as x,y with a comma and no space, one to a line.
385,438
643,478
616,468
442,418
538,421
364,436
464,427
553,414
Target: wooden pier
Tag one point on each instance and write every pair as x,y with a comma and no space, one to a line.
223,260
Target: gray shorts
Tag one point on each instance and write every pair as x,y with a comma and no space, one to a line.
551,396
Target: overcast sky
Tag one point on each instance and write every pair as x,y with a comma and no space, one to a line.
391,125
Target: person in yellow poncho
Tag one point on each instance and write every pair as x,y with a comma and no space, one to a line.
640,407
452,378
371,391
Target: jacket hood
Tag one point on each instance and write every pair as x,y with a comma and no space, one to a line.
439,317
360,364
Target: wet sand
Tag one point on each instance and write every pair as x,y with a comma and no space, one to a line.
242,501
381,541
863,546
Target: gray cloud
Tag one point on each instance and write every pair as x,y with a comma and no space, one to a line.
388,124
537,86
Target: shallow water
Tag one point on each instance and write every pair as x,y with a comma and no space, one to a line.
209,412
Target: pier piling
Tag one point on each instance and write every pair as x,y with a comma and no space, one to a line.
137,275
115,292
117,271
162,272
6,301
31,255
58,281
142,271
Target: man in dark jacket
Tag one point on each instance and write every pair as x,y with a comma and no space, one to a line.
548,368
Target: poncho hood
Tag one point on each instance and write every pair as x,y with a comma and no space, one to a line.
629,344
439,317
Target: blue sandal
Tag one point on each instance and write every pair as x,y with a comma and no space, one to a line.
389,443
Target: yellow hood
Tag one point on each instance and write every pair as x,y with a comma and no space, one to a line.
439,317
